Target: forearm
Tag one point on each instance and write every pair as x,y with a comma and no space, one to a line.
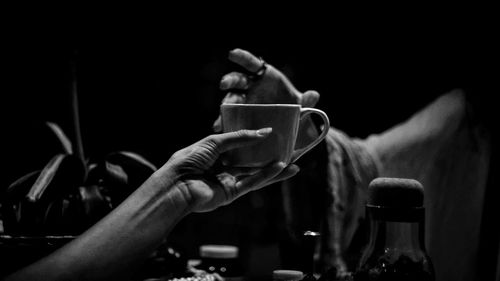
118,243
410,148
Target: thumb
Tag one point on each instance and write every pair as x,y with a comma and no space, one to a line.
309,98
232,140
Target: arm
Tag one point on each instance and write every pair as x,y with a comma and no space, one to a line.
115,246
410,148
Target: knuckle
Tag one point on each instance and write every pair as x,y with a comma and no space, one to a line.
234,98
233,75
244,133
213,143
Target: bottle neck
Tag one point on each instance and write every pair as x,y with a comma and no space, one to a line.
402,236
394,235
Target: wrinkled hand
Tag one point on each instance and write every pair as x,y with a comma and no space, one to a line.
206,185
272,87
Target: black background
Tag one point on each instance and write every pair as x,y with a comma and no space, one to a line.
150,84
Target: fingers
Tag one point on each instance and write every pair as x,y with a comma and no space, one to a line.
232,140
234,98
237,172
234,80
287,173
245,59
275,173
254,182
229,98
309,99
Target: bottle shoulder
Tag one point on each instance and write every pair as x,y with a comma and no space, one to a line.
396,264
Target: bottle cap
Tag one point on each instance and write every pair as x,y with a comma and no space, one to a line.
395,193
288,275
218,251
310,233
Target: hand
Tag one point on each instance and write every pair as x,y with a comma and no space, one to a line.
271,87
206,185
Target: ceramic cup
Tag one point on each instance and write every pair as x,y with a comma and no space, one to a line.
284,119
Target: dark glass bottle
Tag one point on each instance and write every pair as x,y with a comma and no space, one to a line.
223,260
396,248
310,241
333,275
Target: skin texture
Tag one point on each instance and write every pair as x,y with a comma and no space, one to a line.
192,180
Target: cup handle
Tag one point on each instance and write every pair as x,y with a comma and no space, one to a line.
303,113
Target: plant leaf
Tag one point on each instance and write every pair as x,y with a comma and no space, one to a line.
61,136
115,174
75,116
137,168
20,187
64,216
94,174
94,204
138,158
45,178
61,176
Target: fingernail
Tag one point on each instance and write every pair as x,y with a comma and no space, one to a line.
264,131
282,165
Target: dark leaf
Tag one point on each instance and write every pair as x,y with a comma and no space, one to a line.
11,201
112,180
64,216
115,174
61,136
94,174
75,116
107,173
45,178
19,188
124,176
53,217
95,205
137,158
135,166
59,177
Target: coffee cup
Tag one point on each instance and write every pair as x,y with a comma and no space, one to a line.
284,119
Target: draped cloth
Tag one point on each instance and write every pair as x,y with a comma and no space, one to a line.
445,148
